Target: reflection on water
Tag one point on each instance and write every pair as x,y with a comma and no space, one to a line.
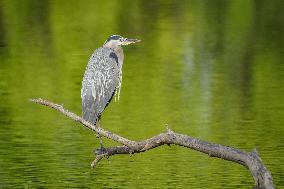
210,69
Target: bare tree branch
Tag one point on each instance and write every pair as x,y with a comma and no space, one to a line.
250,160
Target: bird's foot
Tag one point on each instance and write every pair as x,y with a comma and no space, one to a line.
100,151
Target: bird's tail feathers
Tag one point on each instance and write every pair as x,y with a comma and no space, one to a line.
90,117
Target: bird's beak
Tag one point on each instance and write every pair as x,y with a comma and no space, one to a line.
127,41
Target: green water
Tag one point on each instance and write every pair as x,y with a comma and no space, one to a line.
210,69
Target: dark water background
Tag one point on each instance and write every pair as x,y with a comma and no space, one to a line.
210,69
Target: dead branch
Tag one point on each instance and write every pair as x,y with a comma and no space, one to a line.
250,160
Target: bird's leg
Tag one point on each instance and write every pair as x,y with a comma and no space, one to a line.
98,135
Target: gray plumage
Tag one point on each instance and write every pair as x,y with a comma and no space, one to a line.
103,77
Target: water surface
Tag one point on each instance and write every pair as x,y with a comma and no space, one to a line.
209,69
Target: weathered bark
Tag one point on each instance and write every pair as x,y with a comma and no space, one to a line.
250,160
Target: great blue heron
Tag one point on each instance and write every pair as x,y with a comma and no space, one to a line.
102,78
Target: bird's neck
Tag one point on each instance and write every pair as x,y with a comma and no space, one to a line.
119,52
120,55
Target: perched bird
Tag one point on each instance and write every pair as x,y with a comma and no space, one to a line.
103,76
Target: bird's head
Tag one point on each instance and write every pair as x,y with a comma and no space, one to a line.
117,40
